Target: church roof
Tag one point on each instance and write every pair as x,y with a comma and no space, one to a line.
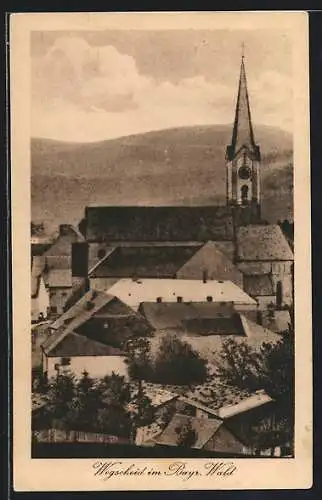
262,242
144,261
157,223
243,134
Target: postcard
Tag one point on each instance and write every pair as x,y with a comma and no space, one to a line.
161,274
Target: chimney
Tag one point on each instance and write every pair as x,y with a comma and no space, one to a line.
209,298
159,299
79,260
179,299
64,229
205,275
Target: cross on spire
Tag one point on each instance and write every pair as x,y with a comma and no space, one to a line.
243,50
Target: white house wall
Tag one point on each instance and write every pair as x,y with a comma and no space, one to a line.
96,366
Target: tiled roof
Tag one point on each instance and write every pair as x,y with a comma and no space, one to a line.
205,428
82,311
158,223
211,259
262,242
210,346
62,246
258,285
134,292
144,261
157,394
59,278
73,345
194,317
256,400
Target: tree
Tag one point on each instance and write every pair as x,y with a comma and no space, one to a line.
271,369
239,364
177,363
85,404
139,359
187,436
113,416
60,395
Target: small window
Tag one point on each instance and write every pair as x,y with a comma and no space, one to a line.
209,298
159,299
179,299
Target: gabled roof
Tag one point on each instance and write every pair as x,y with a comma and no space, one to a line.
158,223
84,309
134,292
144,261
210,259
243,134
262,242
62,245
256,400
258,285
73,345
205,429
208,317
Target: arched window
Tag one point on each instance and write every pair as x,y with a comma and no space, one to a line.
244,194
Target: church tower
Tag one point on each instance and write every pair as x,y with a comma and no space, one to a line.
243,159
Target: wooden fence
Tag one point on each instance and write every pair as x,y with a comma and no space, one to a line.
60,436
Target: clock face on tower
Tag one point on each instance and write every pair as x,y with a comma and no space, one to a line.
244,172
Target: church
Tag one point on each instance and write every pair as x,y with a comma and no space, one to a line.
228,241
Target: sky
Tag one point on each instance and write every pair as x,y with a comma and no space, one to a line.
94,85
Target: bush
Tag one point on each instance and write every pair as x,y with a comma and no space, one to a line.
178,364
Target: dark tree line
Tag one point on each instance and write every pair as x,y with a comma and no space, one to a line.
91,405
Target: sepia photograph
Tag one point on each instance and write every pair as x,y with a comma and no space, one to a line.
162,312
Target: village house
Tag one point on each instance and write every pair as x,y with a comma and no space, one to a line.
138,291
234,426
67,350
57,275
96,327
210,435
103,317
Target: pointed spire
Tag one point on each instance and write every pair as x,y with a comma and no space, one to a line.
243,134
